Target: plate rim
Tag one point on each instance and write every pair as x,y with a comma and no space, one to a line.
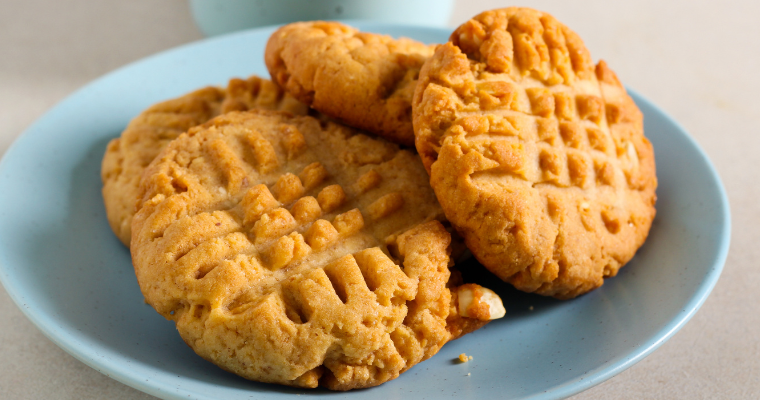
69,343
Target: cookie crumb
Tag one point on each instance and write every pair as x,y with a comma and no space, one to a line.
468,374
530,308
463,358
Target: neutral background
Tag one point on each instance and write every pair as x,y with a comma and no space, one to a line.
697,60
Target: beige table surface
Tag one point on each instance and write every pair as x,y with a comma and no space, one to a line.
697,60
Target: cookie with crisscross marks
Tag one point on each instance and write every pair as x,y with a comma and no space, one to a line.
538,158
363,79
127,156
300,252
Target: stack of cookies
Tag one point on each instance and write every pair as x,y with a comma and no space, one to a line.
303,231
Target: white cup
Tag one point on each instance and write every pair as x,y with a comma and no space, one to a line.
215,17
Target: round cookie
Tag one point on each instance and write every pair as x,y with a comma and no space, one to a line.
363,79
300,252
127,156
538,158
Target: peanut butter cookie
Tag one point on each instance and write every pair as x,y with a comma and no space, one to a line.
300,252
538,158
363,79
126,157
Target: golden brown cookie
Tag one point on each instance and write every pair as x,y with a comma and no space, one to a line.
300,252
363,79
538,158
126,157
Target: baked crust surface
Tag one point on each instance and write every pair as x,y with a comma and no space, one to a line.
127,156
363,79
537,156
296,251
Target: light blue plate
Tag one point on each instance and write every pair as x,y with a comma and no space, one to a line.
67,272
